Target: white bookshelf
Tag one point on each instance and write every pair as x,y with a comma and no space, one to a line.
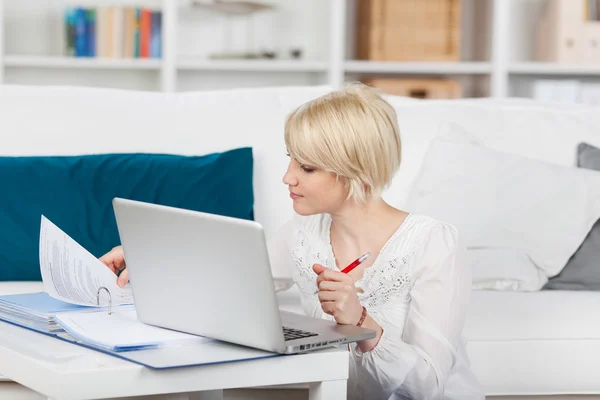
506,64
192,64
441,68
80,62
551,69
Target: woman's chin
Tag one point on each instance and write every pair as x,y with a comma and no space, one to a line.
303,210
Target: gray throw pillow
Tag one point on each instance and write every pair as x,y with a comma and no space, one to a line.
582,271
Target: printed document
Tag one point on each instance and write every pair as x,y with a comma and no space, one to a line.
72,274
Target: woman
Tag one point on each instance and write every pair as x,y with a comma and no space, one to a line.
413,290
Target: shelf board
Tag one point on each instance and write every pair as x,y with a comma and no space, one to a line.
394,67
543,68
251,65
79,62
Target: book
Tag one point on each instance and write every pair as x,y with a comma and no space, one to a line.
155,36
112,31
70,16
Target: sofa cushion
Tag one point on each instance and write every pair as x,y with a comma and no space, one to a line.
76,192
513,338
526,128
80,120
582,272
501,201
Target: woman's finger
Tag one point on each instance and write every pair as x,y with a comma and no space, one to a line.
330,285
328,307
123,278
335,276
328,296
108,260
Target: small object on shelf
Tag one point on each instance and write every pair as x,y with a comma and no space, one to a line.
421,88
242,56
296,53
238,7
269,54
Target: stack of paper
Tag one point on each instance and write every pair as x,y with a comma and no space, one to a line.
36,311
120,331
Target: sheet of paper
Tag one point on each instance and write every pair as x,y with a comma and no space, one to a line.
71,273
121,330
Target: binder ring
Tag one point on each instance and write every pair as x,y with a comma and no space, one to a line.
109,299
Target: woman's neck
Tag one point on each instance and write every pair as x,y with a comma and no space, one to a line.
356,223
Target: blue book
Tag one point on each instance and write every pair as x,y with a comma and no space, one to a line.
80,33
155,35
91,32
136,35
70,17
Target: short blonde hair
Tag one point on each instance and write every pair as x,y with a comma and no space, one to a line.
353,133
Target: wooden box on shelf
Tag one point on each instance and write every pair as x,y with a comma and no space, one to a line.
422,88
408,30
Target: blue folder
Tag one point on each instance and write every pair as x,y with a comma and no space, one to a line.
184,355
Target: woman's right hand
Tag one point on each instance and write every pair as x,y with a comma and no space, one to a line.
115,260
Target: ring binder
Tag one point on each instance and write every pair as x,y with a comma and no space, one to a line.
109,298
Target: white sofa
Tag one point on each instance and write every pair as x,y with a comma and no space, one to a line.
520,344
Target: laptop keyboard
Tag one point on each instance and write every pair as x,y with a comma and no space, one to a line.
293,334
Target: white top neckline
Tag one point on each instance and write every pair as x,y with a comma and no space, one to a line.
378,257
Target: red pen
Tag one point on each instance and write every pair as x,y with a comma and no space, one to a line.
353,265
356,263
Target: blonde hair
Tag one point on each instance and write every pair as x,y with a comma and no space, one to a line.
352,133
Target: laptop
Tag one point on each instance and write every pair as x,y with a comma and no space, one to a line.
210,275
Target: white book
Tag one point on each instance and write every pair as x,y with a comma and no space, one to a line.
118,32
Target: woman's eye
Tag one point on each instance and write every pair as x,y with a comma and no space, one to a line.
307,169
287,154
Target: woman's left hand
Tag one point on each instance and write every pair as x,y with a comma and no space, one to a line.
337,295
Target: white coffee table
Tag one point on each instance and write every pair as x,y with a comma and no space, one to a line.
64,371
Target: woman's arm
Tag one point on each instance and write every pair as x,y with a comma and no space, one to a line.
414,357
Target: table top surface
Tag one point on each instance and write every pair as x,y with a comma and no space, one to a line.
63,370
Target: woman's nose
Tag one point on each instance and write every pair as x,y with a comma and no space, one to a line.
289,177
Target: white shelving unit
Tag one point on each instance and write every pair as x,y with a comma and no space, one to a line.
438,68
251,65
332,70
544,69
80,62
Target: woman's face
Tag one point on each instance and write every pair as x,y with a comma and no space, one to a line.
312,190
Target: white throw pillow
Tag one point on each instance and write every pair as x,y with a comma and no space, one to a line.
519,214
504,269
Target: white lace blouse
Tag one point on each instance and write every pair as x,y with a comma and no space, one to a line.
417,290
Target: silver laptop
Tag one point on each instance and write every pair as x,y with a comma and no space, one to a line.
210,275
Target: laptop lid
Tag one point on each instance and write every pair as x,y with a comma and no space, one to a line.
200,273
